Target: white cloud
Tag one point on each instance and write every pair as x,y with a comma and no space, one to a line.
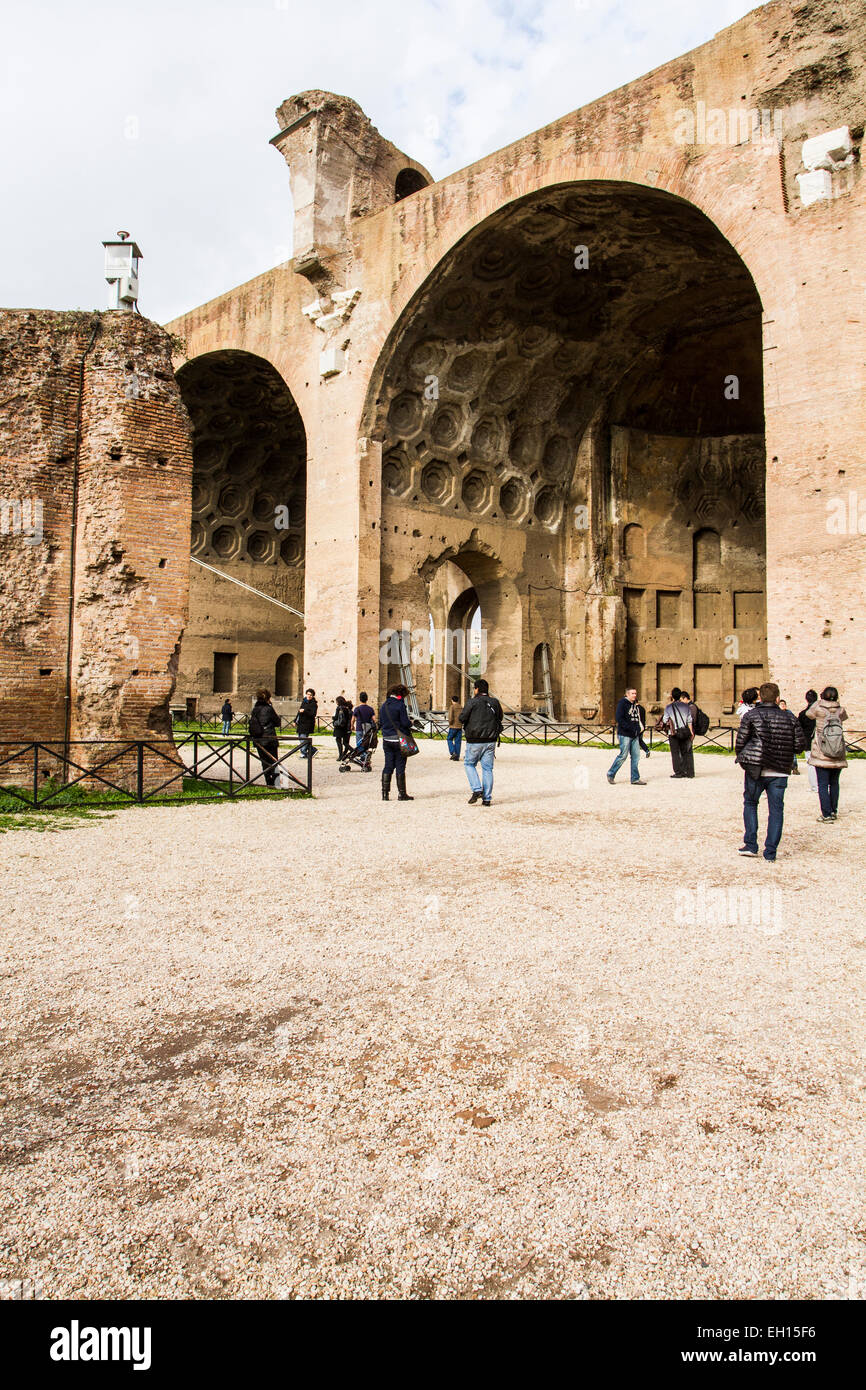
157,117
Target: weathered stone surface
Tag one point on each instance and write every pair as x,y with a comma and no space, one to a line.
600,332
92,612
608,383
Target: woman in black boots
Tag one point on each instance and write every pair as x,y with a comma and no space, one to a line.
394,720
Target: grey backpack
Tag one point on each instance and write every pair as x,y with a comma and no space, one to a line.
831,739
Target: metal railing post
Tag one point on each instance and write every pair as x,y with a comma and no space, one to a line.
195,754
231,767
247,747
139,781
310,776
35,773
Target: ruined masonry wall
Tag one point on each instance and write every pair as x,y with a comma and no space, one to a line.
129,582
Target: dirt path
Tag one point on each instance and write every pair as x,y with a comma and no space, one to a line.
352,1049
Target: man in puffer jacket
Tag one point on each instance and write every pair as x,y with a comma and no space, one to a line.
767,740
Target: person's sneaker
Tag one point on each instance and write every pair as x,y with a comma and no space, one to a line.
770,858
747,852
834,815
476,796
676,776
638,782
825,820
454,758
610,779
485,803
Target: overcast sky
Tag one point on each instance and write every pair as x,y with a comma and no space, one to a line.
156,117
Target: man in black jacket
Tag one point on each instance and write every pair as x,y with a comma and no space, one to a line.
305,723
482,719
768,740
630,724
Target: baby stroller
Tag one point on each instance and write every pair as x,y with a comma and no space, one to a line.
361,755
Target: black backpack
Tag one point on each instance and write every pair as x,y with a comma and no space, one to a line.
257,728
700,721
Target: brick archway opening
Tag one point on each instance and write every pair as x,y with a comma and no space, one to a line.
248,518
583,372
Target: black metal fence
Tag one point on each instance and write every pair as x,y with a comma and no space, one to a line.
547,731
51,774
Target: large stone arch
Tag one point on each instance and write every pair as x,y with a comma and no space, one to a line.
586,359
248,523
461,210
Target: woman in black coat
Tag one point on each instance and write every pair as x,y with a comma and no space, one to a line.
393,720
264,724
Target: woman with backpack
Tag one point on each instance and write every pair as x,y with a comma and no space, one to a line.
342,721
827,754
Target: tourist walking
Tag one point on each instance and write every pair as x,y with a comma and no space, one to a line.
767,740
482,719
264,724
828,753
394,722
677,724
305,722
808,727
630,723
342,725
455,729
227,714
363,719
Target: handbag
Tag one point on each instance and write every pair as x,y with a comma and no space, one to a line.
408,746
679,731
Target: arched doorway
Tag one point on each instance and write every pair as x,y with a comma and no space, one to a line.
576,391
286,677
462,653
477,621
248,520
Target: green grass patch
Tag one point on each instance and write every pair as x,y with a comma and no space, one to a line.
75,803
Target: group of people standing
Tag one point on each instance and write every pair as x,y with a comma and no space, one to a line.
767,745
768,742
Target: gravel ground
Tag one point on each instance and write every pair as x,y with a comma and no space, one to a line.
343,1049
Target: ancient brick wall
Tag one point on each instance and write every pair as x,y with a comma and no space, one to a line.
337,326
94,436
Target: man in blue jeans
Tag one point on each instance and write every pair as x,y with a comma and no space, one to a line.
630,724
768,740
481,718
